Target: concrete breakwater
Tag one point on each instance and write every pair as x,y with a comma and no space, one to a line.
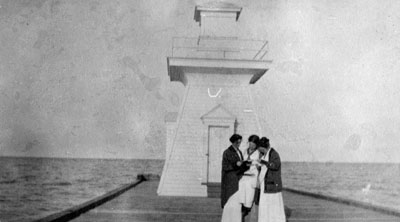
73,212
346,201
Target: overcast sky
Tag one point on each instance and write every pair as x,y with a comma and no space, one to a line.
89,78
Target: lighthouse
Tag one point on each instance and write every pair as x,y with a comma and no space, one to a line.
217,69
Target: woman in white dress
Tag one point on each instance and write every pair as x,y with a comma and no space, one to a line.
240,203
248,182
271,208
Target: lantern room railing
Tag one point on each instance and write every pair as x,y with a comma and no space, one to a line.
219,48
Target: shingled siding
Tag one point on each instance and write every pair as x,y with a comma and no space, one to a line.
184,168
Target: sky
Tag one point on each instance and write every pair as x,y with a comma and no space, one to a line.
88,79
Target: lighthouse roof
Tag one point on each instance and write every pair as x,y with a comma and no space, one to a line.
216,7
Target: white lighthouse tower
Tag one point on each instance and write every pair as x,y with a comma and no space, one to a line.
216,69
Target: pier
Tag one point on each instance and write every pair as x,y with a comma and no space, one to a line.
141,203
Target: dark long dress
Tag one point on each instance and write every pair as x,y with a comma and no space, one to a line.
231,174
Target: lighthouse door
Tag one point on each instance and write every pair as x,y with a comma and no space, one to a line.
218,138
219,125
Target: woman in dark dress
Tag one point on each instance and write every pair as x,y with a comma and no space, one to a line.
233,187
271,208
232,169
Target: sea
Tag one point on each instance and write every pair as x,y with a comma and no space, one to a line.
32,188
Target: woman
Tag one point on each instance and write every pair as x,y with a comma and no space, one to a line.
271,208
248,183
233,206
232,169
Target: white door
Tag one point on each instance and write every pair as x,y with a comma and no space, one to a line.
218,141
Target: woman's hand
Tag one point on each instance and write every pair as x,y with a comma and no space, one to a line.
248,162
269,165
256,162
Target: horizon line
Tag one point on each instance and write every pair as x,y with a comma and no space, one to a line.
119,158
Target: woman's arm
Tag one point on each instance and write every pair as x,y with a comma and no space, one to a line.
274,163
229,163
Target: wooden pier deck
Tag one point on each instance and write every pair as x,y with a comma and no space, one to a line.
142,204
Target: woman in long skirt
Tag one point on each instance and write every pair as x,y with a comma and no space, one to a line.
271,207
241,202
248,182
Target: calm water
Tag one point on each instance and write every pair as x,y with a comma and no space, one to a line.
31,188
378,184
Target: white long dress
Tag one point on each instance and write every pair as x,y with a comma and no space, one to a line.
232,211
271,208
248,182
